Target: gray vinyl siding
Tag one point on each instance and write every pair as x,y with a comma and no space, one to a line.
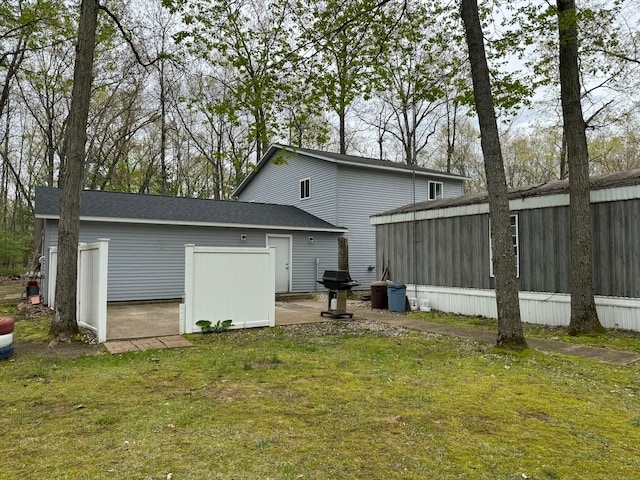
454,251
305,273
362,193
146,262
345,196
365,192
280,184
452,188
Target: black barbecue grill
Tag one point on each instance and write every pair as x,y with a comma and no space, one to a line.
338,282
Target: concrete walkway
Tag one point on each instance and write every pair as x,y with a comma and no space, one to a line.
607,355
142,344
308,311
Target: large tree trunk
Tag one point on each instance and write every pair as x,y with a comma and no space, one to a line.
584,317
64,324
510,333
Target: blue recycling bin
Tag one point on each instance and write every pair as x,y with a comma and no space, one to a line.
396,293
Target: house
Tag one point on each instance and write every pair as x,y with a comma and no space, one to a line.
148,234
344,190
441,250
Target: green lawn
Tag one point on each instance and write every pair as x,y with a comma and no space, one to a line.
319,402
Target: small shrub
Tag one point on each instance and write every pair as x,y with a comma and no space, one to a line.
263,444
220,326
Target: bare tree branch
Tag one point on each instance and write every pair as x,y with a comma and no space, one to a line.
127,38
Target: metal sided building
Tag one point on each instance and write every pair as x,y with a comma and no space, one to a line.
147,236
442,251
345,190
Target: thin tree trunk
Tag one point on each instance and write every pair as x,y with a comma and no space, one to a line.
451,133
563,156
584,317
163,130
64,324
343,131
510,333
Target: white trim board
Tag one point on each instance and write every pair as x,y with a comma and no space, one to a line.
197,224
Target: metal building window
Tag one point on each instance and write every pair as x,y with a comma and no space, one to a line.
435,190
516,245
305,188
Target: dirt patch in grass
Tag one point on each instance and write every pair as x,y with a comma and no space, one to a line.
10,286
71,349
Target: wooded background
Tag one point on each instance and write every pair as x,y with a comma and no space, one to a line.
188,95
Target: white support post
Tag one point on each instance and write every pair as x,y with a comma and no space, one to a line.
189,250
79,282
103,277
52,274
272,286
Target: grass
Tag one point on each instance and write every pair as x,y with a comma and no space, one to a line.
626,340
299,402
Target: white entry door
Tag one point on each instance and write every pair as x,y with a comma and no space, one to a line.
282,244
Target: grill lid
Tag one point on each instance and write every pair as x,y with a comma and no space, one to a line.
337,276
337,280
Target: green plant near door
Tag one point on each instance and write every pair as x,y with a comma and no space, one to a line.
206,326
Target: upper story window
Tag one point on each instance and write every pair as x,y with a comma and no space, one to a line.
516,245
305,188
435,190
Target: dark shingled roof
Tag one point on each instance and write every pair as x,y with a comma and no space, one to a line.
340,158
96,203
372,162
611,180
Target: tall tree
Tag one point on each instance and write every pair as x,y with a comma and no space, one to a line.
584,317
64,324
251,38
510,334
348,39
413,76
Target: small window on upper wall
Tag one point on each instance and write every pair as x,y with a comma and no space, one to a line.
305,188
435,190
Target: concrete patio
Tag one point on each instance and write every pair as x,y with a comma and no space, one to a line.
160,319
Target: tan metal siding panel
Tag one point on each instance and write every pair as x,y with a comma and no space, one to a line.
616,248
454,250
544,249
451,252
